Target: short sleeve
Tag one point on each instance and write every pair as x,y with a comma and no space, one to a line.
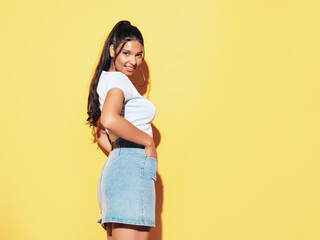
114,80
122,82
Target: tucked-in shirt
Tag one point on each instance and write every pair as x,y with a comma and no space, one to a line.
136,109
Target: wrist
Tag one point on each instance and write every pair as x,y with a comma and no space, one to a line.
149,142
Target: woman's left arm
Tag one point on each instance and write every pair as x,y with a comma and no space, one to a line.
102,139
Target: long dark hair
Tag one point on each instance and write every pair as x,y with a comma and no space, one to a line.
121,33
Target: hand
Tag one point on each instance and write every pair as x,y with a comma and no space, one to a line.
151,150
102,138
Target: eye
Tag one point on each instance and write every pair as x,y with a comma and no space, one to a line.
125,53
139,55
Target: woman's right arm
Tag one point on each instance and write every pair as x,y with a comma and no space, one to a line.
115,123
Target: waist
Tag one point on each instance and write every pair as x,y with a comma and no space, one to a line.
113,137
122,143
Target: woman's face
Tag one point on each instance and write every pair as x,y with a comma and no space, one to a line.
129,59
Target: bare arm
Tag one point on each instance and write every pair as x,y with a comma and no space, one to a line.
102,139
115,123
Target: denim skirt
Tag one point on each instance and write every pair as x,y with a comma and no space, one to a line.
126,188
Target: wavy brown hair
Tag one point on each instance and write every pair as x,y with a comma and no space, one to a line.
121,33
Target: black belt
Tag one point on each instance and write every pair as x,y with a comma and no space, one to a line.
120,142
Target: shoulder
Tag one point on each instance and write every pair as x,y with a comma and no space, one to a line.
114,76
109,80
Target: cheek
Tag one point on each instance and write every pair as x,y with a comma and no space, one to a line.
139,62
120,60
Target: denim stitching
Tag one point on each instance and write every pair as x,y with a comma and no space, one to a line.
148,223
141,219
141,188
101,187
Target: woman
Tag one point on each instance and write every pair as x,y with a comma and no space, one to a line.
121,123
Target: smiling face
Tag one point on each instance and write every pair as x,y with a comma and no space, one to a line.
129,59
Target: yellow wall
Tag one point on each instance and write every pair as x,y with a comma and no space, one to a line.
236,87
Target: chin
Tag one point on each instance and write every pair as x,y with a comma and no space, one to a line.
128,73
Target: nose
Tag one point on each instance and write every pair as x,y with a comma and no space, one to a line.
133,60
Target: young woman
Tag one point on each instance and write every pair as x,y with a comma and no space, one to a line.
121,123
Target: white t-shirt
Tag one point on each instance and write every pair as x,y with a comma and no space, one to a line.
136,109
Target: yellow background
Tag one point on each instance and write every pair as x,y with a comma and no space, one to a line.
236,88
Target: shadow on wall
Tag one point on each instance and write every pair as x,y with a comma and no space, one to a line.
137,78
156,233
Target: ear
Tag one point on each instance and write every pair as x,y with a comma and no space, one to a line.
111,50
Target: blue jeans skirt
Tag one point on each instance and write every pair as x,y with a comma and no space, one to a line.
126,188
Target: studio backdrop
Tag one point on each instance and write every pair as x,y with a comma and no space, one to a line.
236,90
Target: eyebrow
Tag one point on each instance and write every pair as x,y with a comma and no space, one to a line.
130,51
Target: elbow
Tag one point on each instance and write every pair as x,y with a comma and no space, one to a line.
108,123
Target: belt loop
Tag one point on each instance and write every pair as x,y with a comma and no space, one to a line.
119,142
119,145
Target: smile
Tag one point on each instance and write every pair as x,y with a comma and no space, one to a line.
130,69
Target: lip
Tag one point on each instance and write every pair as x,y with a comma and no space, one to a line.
129,68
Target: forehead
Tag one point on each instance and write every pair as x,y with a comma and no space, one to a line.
133,46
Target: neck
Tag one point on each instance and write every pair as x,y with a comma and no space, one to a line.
112,67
